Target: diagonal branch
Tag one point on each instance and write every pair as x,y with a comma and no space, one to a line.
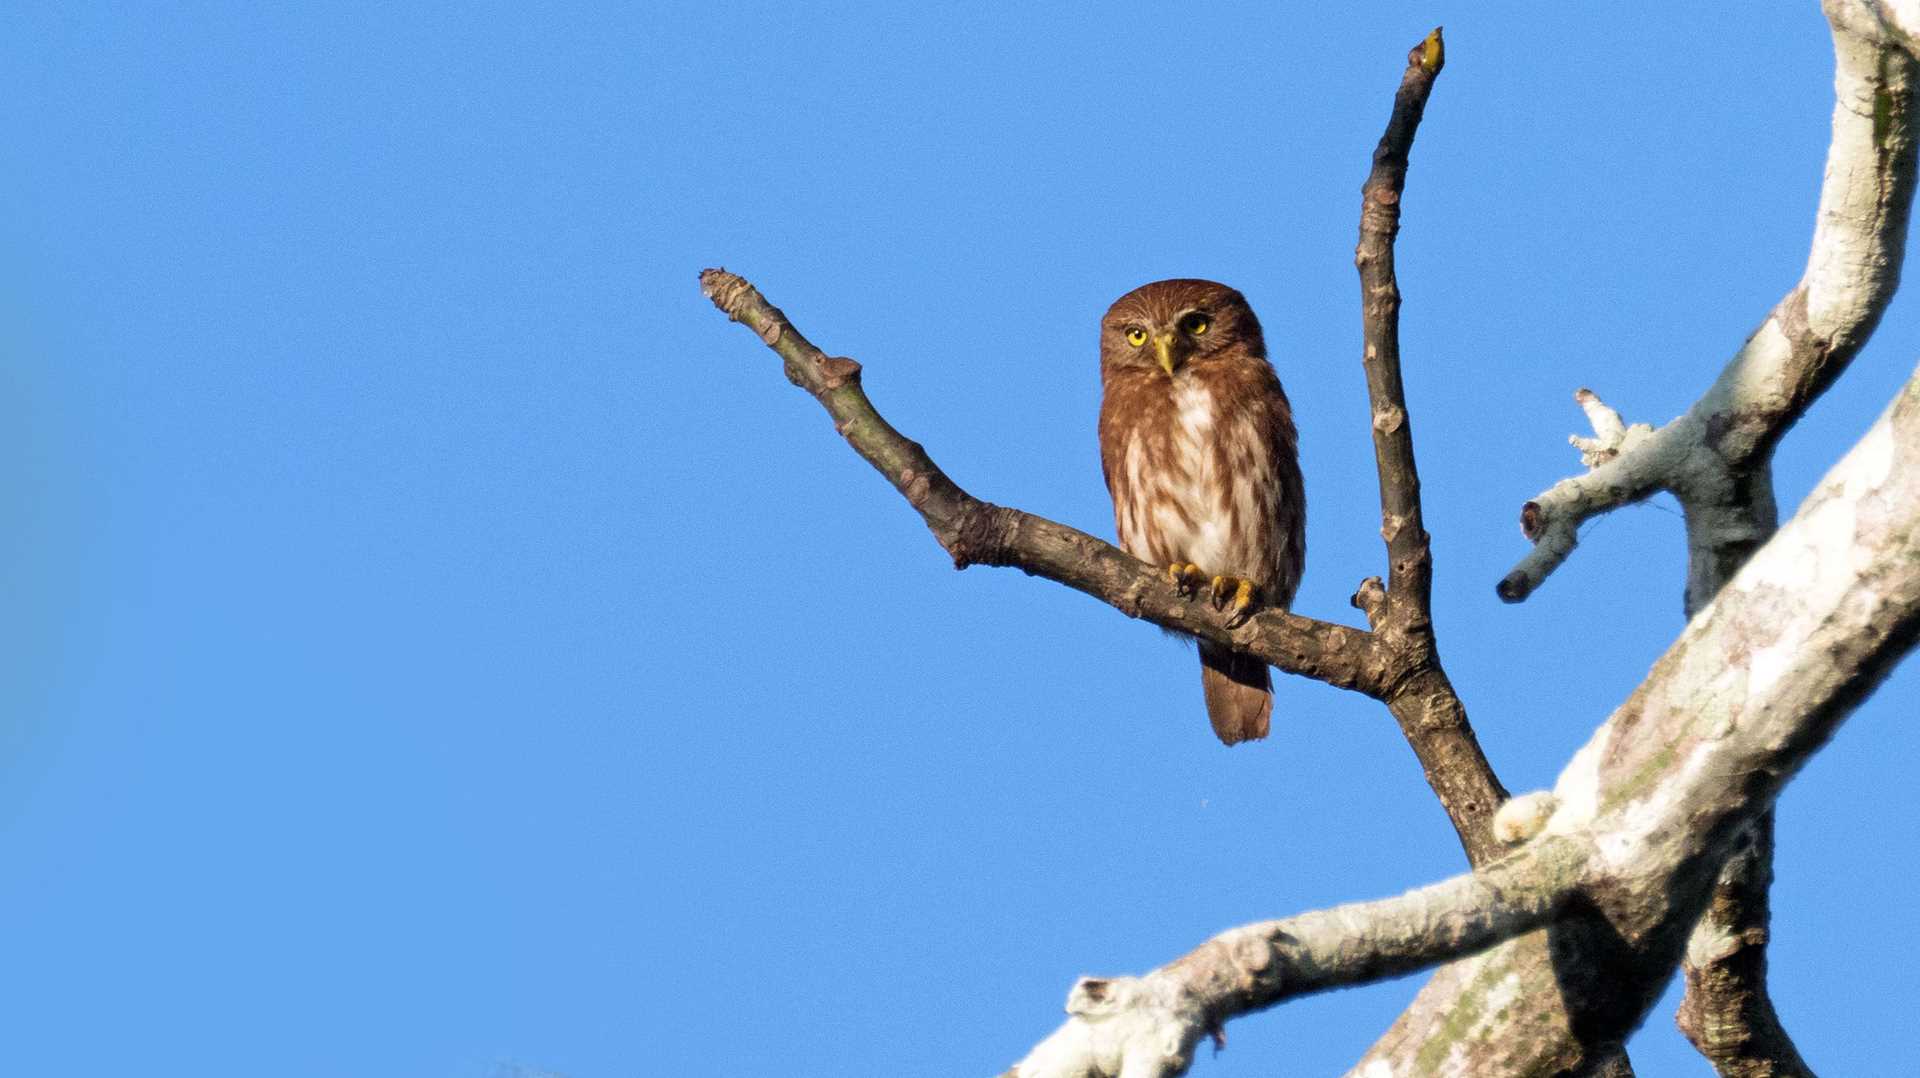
1149,1025
975,532
1727,1013
1714,457
1659,780
1716,460
1680,772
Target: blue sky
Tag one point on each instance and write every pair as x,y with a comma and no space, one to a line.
439,644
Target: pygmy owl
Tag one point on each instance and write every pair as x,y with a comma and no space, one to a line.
1201,458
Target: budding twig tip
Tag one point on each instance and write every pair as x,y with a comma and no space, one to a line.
1433,52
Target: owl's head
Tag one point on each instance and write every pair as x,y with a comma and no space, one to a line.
1170,325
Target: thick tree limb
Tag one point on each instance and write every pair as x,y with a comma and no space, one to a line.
1727,1013
1668,787
1148,1025
1645,813
1614,939
1714,457
1716,460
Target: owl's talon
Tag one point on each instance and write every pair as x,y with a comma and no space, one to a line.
1234,595
1186,578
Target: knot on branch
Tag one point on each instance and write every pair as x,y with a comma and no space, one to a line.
984,535
1144,1026
1370,598
1531,520
1514,587
1523,817
836,371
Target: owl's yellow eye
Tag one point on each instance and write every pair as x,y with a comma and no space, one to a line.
1136,336
1196,324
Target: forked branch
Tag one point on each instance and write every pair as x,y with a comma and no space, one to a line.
1429,711
1622,864
1396,663
1716,460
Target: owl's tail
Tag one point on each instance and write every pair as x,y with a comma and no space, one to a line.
1239,694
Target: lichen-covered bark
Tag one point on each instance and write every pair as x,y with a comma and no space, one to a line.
1596,908
1148,1025
1716,460
1727,1013
1754,685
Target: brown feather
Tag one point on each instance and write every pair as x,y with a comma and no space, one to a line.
1203,465
1239,694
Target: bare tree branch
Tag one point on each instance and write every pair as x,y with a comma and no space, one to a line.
1727,1013
1397,663
1429,711
1410,557
1716,460
1148,1025
1674,780
1754,685
1714,457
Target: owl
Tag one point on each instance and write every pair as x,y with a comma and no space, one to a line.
1202,462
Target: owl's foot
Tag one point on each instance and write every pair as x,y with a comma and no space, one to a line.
1186,578
1229,593
1234,595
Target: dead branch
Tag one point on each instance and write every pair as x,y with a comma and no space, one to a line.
1623,866
1429,711
1716,459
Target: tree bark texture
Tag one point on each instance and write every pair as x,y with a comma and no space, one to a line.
1716,460
1754,685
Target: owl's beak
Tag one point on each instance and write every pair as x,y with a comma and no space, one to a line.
1163,348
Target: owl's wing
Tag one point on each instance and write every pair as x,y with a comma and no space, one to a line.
1290,549
1113,441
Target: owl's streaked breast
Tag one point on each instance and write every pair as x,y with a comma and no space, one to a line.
1203,498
